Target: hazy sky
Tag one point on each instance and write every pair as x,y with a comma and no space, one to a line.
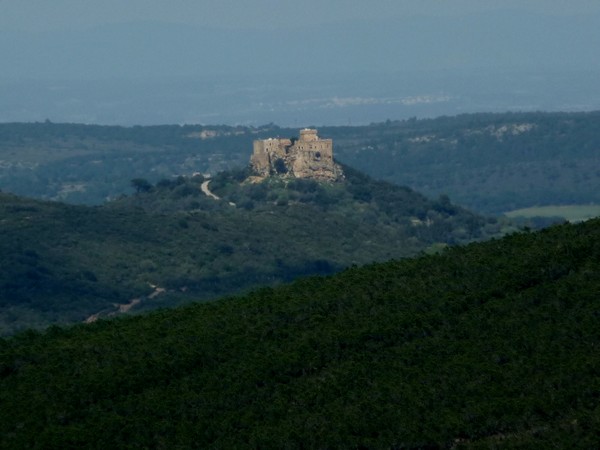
57,14
240,57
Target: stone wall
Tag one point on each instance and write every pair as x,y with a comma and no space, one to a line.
308,157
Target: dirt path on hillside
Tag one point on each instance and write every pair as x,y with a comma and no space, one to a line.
207,192
123,308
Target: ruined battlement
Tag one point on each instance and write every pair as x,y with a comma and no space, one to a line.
308,135
307,157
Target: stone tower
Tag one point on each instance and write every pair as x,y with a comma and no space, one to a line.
307,157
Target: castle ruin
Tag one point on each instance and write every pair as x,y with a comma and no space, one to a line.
306,157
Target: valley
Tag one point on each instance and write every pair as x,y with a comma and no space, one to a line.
300,225
175,298
572,213
202,237
66,263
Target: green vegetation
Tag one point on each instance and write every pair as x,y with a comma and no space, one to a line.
170,243
491,163
487,345
572,213
488,162
88,164
490,345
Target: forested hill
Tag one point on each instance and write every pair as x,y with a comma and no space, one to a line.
170,243
493,345
491,163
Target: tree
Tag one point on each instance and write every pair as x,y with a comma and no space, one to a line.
141,185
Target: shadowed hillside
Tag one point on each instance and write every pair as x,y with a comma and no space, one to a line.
170,243
488,345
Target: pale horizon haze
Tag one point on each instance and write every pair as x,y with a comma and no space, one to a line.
41,15
289,62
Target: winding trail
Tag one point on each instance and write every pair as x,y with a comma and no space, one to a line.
207,192
125,308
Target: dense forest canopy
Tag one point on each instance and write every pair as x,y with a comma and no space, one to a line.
490,345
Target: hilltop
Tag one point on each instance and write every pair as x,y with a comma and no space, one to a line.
493,344
490,163
170,243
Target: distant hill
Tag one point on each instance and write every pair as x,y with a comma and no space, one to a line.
170,243
89,164
492,345
491,163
